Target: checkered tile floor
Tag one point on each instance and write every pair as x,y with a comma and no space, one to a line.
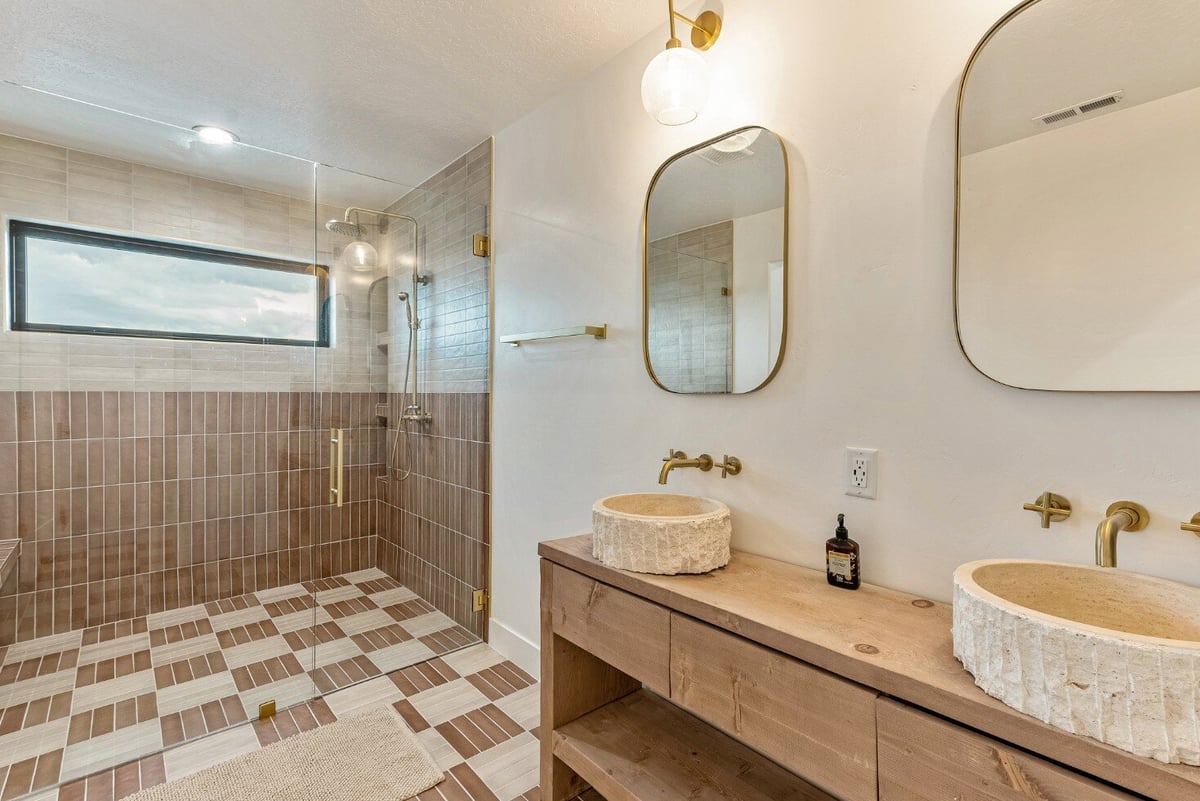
85,701
475,713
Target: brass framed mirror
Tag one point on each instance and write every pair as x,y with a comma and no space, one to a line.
715,265
1078,187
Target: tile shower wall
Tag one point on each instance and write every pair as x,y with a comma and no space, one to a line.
435,534
129,503
143,475
53,184
691,341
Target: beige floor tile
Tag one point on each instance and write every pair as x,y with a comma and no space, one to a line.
473,659
442,752
394,596
242,617
509,768
26,743
109,750
184,649
208,751
38,687
365,621
303,619
523,706
447,701
109,692
257,651
114,648
328,652
194,693
375,692
53,644
400,655
427,623
326,597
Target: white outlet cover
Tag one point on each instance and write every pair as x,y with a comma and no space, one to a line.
861,472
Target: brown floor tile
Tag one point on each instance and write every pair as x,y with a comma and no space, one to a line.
418,678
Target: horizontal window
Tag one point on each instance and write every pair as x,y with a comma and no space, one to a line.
74,281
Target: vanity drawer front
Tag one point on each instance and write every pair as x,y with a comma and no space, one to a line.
815,724
627,632
924,758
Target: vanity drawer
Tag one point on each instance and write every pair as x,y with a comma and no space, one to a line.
815,724
924,758
631,634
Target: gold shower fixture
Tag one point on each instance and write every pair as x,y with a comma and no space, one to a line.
675,84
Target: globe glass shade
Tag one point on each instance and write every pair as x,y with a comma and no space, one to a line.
675,86
360,256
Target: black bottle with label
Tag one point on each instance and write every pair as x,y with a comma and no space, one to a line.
841,558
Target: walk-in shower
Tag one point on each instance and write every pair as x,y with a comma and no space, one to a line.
180,565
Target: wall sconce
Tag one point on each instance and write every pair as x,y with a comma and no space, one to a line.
675,84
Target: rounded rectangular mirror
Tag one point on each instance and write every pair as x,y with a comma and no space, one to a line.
715,265
1078,193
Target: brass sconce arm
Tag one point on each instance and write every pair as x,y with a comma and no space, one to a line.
705,28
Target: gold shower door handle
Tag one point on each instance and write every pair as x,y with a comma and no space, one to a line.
336,454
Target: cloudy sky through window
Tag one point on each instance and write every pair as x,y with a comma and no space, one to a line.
76,284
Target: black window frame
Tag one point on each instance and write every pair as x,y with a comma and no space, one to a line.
19,232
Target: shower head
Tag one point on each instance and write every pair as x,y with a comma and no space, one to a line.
402,296
345,228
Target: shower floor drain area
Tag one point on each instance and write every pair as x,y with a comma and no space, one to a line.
75,703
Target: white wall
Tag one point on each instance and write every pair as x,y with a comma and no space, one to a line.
864,95
1078,252
757,241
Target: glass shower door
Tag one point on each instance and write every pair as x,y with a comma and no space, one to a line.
156,436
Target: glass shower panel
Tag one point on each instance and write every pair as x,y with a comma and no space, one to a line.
405,557
162,459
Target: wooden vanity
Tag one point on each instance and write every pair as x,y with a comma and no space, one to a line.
760,682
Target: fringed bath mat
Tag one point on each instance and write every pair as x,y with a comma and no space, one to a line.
370,757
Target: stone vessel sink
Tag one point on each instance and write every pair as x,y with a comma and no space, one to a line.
657,532
1096,651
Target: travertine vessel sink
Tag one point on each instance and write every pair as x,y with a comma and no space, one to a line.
1100,652
655,532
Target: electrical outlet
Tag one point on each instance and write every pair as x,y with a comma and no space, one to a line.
861,472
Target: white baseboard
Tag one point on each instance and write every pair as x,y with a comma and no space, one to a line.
513,646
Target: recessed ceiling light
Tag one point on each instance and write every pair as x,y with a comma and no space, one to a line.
214,135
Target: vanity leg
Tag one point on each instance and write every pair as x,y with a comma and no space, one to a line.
574,682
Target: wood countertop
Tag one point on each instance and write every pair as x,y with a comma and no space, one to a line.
895,643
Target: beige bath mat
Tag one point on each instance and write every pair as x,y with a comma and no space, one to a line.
370,757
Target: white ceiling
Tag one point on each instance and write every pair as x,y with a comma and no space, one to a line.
1059,53
397,88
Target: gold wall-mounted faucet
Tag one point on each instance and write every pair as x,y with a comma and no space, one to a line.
1193,526
1121,516
1051,507
678,459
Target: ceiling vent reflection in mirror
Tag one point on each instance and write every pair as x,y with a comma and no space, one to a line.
1080,109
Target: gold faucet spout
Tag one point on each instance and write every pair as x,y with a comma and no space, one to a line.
679,459
1121,516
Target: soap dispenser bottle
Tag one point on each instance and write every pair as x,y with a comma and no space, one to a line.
841,558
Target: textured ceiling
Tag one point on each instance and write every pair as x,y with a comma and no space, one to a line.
395,88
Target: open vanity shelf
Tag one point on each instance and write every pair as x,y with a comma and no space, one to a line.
760,680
